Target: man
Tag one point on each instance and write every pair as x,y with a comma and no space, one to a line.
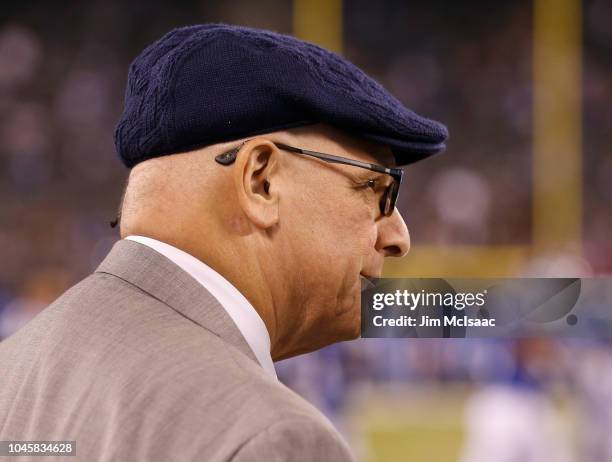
262,191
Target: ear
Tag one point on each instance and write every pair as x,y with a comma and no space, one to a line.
255,172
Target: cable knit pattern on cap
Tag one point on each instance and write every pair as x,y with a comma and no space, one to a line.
247,81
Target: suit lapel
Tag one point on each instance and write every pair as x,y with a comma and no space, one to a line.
162,279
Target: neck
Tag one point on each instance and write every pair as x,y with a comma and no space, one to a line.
253,275
240,265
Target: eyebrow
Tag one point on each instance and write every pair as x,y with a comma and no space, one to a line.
371,175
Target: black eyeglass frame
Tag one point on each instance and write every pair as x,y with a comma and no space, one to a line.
389,198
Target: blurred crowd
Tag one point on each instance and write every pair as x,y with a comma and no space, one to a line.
468,64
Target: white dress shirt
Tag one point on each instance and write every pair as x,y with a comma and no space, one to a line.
243,314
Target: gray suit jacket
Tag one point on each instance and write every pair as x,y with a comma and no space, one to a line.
138,362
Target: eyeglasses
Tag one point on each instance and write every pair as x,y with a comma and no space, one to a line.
387,201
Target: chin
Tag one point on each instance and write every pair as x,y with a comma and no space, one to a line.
330,331
349,330
349,321
351,302
355,331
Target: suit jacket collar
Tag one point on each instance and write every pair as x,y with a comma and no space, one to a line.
164,280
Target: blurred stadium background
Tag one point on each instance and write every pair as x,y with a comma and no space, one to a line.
524,189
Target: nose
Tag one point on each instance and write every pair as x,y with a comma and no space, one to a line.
393,237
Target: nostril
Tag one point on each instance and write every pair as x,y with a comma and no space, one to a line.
393,251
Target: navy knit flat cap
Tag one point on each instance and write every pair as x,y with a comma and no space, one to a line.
206,84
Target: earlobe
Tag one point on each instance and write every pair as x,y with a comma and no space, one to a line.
254,171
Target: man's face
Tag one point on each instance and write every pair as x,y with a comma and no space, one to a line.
332,234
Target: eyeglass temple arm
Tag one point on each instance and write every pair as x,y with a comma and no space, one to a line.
229,157
342,160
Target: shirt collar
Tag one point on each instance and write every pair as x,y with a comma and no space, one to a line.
243,314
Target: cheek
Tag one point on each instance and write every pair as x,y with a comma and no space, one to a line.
360,232
348,233
331,231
